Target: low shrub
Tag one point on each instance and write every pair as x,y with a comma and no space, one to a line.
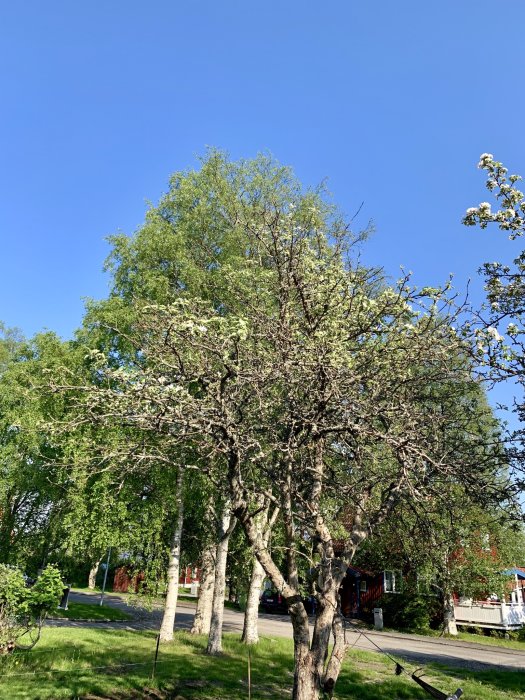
23,607
409,611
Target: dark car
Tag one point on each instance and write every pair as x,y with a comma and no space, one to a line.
272,601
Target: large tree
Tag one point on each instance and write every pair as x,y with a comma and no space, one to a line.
304,377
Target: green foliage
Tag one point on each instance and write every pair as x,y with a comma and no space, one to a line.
243,338
32,602
23,608
45,593
14,593
34,478
410,610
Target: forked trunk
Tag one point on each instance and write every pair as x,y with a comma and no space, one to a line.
92,578
202,619
449,616
310,676
217,612
313,673
250,632
172,591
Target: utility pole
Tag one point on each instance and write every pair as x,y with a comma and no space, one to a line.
105,577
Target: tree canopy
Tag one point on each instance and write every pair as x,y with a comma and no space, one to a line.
253,336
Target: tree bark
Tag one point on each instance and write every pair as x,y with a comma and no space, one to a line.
333,668
449,616
217,612
250,632
265,523
307,683
172,591
310,659
202,619
92,578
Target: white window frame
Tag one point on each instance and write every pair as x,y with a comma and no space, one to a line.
392,581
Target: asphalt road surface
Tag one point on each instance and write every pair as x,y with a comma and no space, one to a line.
414,648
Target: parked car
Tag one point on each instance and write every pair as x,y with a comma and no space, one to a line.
272,601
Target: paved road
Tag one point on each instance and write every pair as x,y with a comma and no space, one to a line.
414,648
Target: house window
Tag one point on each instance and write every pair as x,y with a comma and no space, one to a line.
392,581
363,587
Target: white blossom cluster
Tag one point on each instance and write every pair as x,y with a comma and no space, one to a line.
511,214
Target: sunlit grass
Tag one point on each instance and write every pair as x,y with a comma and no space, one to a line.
77,663
91,611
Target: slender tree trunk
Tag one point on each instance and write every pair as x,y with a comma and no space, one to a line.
265,523
172,592
217,613
449,616
250,632
92,578
202,619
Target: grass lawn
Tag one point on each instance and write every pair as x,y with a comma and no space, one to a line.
91,611
473,637
89,663
491,641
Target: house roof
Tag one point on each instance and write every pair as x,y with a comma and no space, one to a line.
516,571
353,570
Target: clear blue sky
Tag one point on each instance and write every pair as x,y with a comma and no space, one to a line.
391,101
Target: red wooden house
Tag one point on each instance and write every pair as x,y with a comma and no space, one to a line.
361,589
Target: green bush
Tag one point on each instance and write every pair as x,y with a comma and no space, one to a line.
24,608
409,611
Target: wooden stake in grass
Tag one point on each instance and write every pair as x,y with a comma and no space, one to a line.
249,673
155,659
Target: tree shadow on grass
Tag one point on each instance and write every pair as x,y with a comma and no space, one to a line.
92,665
512,682
356,682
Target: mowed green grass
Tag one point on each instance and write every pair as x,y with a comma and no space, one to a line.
116,664
90,611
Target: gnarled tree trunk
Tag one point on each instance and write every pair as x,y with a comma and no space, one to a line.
172,591
202,619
